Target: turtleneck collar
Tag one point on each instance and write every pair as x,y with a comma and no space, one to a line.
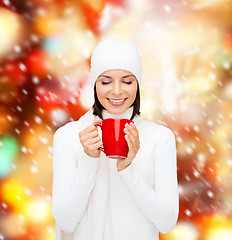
127,114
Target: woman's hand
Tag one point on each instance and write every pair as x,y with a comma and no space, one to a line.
132,138
90,140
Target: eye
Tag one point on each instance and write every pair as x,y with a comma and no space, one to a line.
104,83
130,82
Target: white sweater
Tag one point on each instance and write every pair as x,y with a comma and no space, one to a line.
143,198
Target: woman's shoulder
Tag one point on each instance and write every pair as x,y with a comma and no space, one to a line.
155,128
73,127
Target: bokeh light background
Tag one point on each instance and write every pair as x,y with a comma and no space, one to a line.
186,50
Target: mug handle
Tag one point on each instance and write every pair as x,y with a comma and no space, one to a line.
97,124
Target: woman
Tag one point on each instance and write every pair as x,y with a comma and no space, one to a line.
98,198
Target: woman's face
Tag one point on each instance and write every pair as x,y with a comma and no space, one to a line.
116,90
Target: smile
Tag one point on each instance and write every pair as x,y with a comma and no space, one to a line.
117,102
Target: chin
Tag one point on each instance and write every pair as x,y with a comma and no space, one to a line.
116,111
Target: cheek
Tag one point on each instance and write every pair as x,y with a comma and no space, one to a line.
99,90
132,91
101,93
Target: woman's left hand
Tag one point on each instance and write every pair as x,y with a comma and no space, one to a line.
132,138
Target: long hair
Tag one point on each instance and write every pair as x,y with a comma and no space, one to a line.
97,107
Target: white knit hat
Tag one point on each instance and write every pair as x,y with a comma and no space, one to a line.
115,54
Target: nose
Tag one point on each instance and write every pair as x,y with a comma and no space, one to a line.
117,88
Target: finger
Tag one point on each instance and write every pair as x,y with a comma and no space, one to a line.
92,126
97,145
91,145
94,140
87,130
130,144
132,139
129,132
97,121
132,129
97,126
131,151
90,135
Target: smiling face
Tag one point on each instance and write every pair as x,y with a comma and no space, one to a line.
116,90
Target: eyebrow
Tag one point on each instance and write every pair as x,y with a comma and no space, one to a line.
104,76
131,75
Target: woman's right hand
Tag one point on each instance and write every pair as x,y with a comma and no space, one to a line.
90,140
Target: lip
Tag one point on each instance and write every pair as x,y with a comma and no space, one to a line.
117,104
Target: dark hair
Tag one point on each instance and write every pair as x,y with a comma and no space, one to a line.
97,107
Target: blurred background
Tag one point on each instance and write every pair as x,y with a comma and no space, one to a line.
186,50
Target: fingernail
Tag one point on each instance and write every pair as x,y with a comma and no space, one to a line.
126,124
125,130
131,123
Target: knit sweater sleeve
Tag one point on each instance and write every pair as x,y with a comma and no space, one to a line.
73,179
159,203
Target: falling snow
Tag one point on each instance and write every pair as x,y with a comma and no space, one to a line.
188,212
186,87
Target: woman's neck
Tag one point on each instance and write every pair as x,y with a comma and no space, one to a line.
127,114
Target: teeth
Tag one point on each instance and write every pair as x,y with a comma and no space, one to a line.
116,101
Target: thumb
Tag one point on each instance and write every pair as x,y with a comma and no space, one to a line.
97,121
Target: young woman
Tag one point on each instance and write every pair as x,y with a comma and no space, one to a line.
98,198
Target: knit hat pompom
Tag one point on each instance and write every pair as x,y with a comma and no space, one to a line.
115,54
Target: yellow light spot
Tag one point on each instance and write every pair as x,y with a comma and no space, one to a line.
181,230
219,234
13,193
38,211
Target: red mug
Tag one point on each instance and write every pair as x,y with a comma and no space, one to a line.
113,137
